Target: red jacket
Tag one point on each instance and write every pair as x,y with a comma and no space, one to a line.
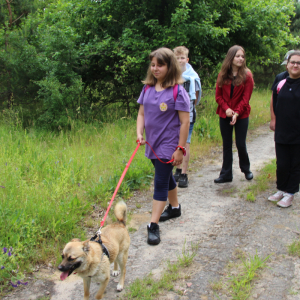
239,102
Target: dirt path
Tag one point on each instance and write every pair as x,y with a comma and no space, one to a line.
221,222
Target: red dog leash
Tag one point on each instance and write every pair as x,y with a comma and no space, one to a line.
123,175
168,162
119,183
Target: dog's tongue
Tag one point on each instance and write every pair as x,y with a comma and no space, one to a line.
64,275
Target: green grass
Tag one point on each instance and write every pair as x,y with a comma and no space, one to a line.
294,248
260,108
246,271
266,177
49,182
148,288
241,284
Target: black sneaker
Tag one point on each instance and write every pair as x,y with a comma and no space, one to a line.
183,181
153,234
177,174
170,213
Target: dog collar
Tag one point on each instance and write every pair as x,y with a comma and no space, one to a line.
104,249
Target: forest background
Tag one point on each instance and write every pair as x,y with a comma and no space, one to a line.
66,60
70,75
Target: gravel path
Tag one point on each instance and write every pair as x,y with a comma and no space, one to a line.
220,221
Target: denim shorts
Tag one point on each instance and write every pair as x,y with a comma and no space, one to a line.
190,133
164,180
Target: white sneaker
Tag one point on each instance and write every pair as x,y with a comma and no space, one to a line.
286,200
277,196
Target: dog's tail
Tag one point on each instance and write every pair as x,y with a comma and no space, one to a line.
121,212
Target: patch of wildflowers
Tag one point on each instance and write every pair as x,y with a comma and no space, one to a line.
9,268
13,285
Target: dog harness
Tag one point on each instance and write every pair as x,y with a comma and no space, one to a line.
104,249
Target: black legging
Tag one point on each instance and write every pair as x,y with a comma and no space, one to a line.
241,128
288,167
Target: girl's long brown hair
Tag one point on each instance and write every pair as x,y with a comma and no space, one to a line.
225,75
165,56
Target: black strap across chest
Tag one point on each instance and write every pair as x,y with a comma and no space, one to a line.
104,249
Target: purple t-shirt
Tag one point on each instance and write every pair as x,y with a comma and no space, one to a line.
162,124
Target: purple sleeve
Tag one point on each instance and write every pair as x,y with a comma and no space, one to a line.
183,100
141,98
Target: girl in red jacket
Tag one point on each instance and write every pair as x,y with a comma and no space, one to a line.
233,91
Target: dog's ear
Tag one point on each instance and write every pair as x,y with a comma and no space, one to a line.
75,240
86,246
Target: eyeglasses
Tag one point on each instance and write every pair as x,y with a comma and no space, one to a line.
295,63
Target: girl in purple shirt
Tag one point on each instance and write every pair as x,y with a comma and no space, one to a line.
166,122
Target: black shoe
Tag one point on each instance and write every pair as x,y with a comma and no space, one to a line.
153,234
177,174
222,180
183,181
249,175
170,213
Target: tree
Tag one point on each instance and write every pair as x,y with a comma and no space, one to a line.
295,21
77,57
11,15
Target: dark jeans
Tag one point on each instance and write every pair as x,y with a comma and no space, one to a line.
288,167
241,128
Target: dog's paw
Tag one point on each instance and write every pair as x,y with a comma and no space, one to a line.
119,288
115,273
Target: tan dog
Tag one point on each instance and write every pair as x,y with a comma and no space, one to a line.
88,260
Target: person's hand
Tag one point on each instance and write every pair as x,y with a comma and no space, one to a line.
233,120
229,112
140,138
178,157
272,125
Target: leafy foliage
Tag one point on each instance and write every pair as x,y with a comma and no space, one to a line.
69,60
295,24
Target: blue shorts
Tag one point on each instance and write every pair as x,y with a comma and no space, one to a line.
190,133
164,180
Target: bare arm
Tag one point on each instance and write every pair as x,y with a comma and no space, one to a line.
273,117
184,118
140,125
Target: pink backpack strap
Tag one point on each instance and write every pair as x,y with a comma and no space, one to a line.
280,85
146,88
175,90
